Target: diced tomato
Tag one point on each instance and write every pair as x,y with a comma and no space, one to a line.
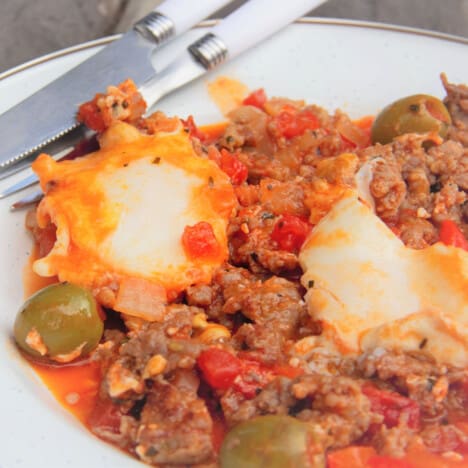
388,462
90,114
122,102
242,373
235,169
365,123
192,128
418,456
199,241
105,417
287,371
256,98
391,404
254,376
350,457
290,122
290,232
450,234
366,457
219,367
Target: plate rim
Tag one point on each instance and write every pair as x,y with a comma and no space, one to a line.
102,41
25,378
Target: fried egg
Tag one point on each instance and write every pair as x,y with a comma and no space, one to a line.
120,214
369,290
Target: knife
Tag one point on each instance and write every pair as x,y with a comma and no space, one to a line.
51,112
256,20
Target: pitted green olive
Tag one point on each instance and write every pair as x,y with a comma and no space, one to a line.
60,322
272,441
420,113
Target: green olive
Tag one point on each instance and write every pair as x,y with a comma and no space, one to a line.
420,113
272,441
60,322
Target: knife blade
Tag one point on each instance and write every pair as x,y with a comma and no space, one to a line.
50,113
222,42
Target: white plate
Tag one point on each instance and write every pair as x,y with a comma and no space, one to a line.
358,67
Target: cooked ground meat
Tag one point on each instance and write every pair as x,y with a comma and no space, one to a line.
415,189
175,427
417,233
388,188
275,398
457,104
417,377
251,243
393,441
166,405
336,406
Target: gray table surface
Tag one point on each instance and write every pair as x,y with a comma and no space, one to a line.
30,28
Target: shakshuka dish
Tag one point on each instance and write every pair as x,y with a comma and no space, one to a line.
285,289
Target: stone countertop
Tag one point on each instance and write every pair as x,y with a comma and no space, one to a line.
30,29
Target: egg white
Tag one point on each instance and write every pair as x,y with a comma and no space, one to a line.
369,290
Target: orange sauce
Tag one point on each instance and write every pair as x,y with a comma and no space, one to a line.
75,387
227,93
214,131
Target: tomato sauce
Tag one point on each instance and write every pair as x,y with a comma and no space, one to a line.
75,386
214,131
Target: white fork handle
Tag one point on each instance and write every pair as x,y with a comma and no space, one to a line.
257,19
186,13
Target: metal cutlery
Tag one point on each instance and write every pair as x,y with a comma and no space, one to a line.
242,29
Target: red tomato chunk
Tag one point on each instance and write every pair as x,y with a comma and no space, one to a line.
388,462
253,378
391,405
350,457
192,128
235,169
291,122
199,241
219,367
256,98
290,232
450,234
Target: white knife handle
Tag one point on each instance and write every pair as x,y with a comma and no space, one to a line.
174,17
187,13
257,19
